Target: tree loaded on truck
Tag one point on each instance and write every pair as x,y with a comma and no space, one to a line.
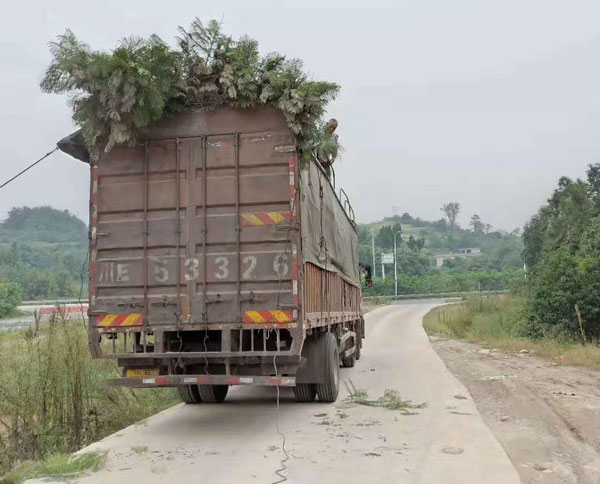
221,255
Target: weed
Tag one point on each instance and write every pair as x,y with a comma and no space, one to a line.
54,398
140,449
57,465
499,322
390,399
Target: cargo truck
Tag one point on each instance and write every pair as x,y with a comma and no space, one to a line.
219,256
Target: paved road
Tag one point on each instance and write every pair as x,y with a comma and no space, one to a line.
237,442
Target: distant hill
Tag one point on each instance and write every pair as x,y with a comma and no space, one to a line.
44,250
42,224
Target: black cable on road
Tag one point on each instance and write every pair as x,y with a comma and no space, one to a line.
28,168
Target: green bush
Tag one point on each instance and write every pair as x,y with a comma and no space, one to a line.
562,247
54,398
10,297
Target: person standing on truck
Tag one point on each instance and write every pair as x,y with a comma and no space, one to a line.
327,150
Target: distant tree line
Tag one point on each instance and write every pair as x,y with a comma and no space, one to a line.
42,255
499,266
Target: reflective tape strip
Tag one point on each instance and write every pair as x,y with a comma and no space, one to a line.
119,320
274,316
132,320
253,317
178,380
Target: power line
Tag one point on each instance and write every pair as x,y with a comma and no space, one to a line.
28,168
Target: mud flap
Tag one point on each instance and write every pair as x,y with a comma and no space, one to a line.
314,369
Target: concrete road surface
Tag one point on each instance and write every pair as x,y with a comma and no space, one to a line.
237,442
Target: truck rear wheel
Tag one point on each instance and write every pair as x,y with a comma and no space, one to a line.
305,392
328,391
213,393
189,394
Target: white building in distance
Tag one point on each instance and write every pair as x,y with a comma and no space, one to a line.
466,252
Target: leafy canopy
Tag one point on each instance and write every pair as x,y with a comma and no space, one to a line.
117,95
562,251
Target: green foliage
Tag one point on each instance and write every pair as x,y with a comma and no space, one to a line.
498,267
385,236
503,322
54,398
117,95
562,248
414,244
45,224
488,318
442,281
57,465
43,250
10,297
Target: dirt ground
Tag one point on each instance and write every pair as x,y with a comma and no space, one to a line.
545,415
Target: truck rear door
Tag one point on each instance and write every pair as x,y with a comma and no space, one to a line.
196,230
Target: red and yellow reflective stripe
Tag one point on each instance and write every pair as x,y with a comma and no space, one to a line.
261,317
119,320
263,218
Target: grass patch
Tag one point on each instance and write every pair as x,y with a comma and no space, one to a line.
390,399
58,465
54,398
499,322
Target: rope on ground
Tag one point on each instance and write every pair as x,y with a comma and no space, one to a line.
283,467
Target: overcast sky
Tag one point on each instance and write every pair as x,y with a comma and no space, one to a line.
483,102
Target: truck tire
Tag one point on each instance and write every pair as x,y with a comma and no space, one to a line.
189,394
305,392
213,393
328,391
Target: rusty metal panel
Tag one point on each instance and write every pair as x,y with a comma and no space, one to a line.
196,225
327,292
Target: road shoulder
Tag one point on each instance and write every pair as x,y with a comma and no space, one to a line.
545,415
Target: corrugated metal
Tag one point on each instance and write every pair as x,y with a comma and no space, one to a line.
168,238
327,292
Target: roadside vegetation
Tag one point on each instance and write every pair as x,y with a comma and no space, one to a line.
42,255
554,307
562,250
55,466
498,267
502,322
54,398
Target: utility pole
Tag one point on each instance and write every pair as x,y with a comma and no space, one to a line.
396,265
373,250
382,268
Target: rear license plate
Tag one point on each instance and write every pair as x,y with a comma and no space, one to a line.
141,372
